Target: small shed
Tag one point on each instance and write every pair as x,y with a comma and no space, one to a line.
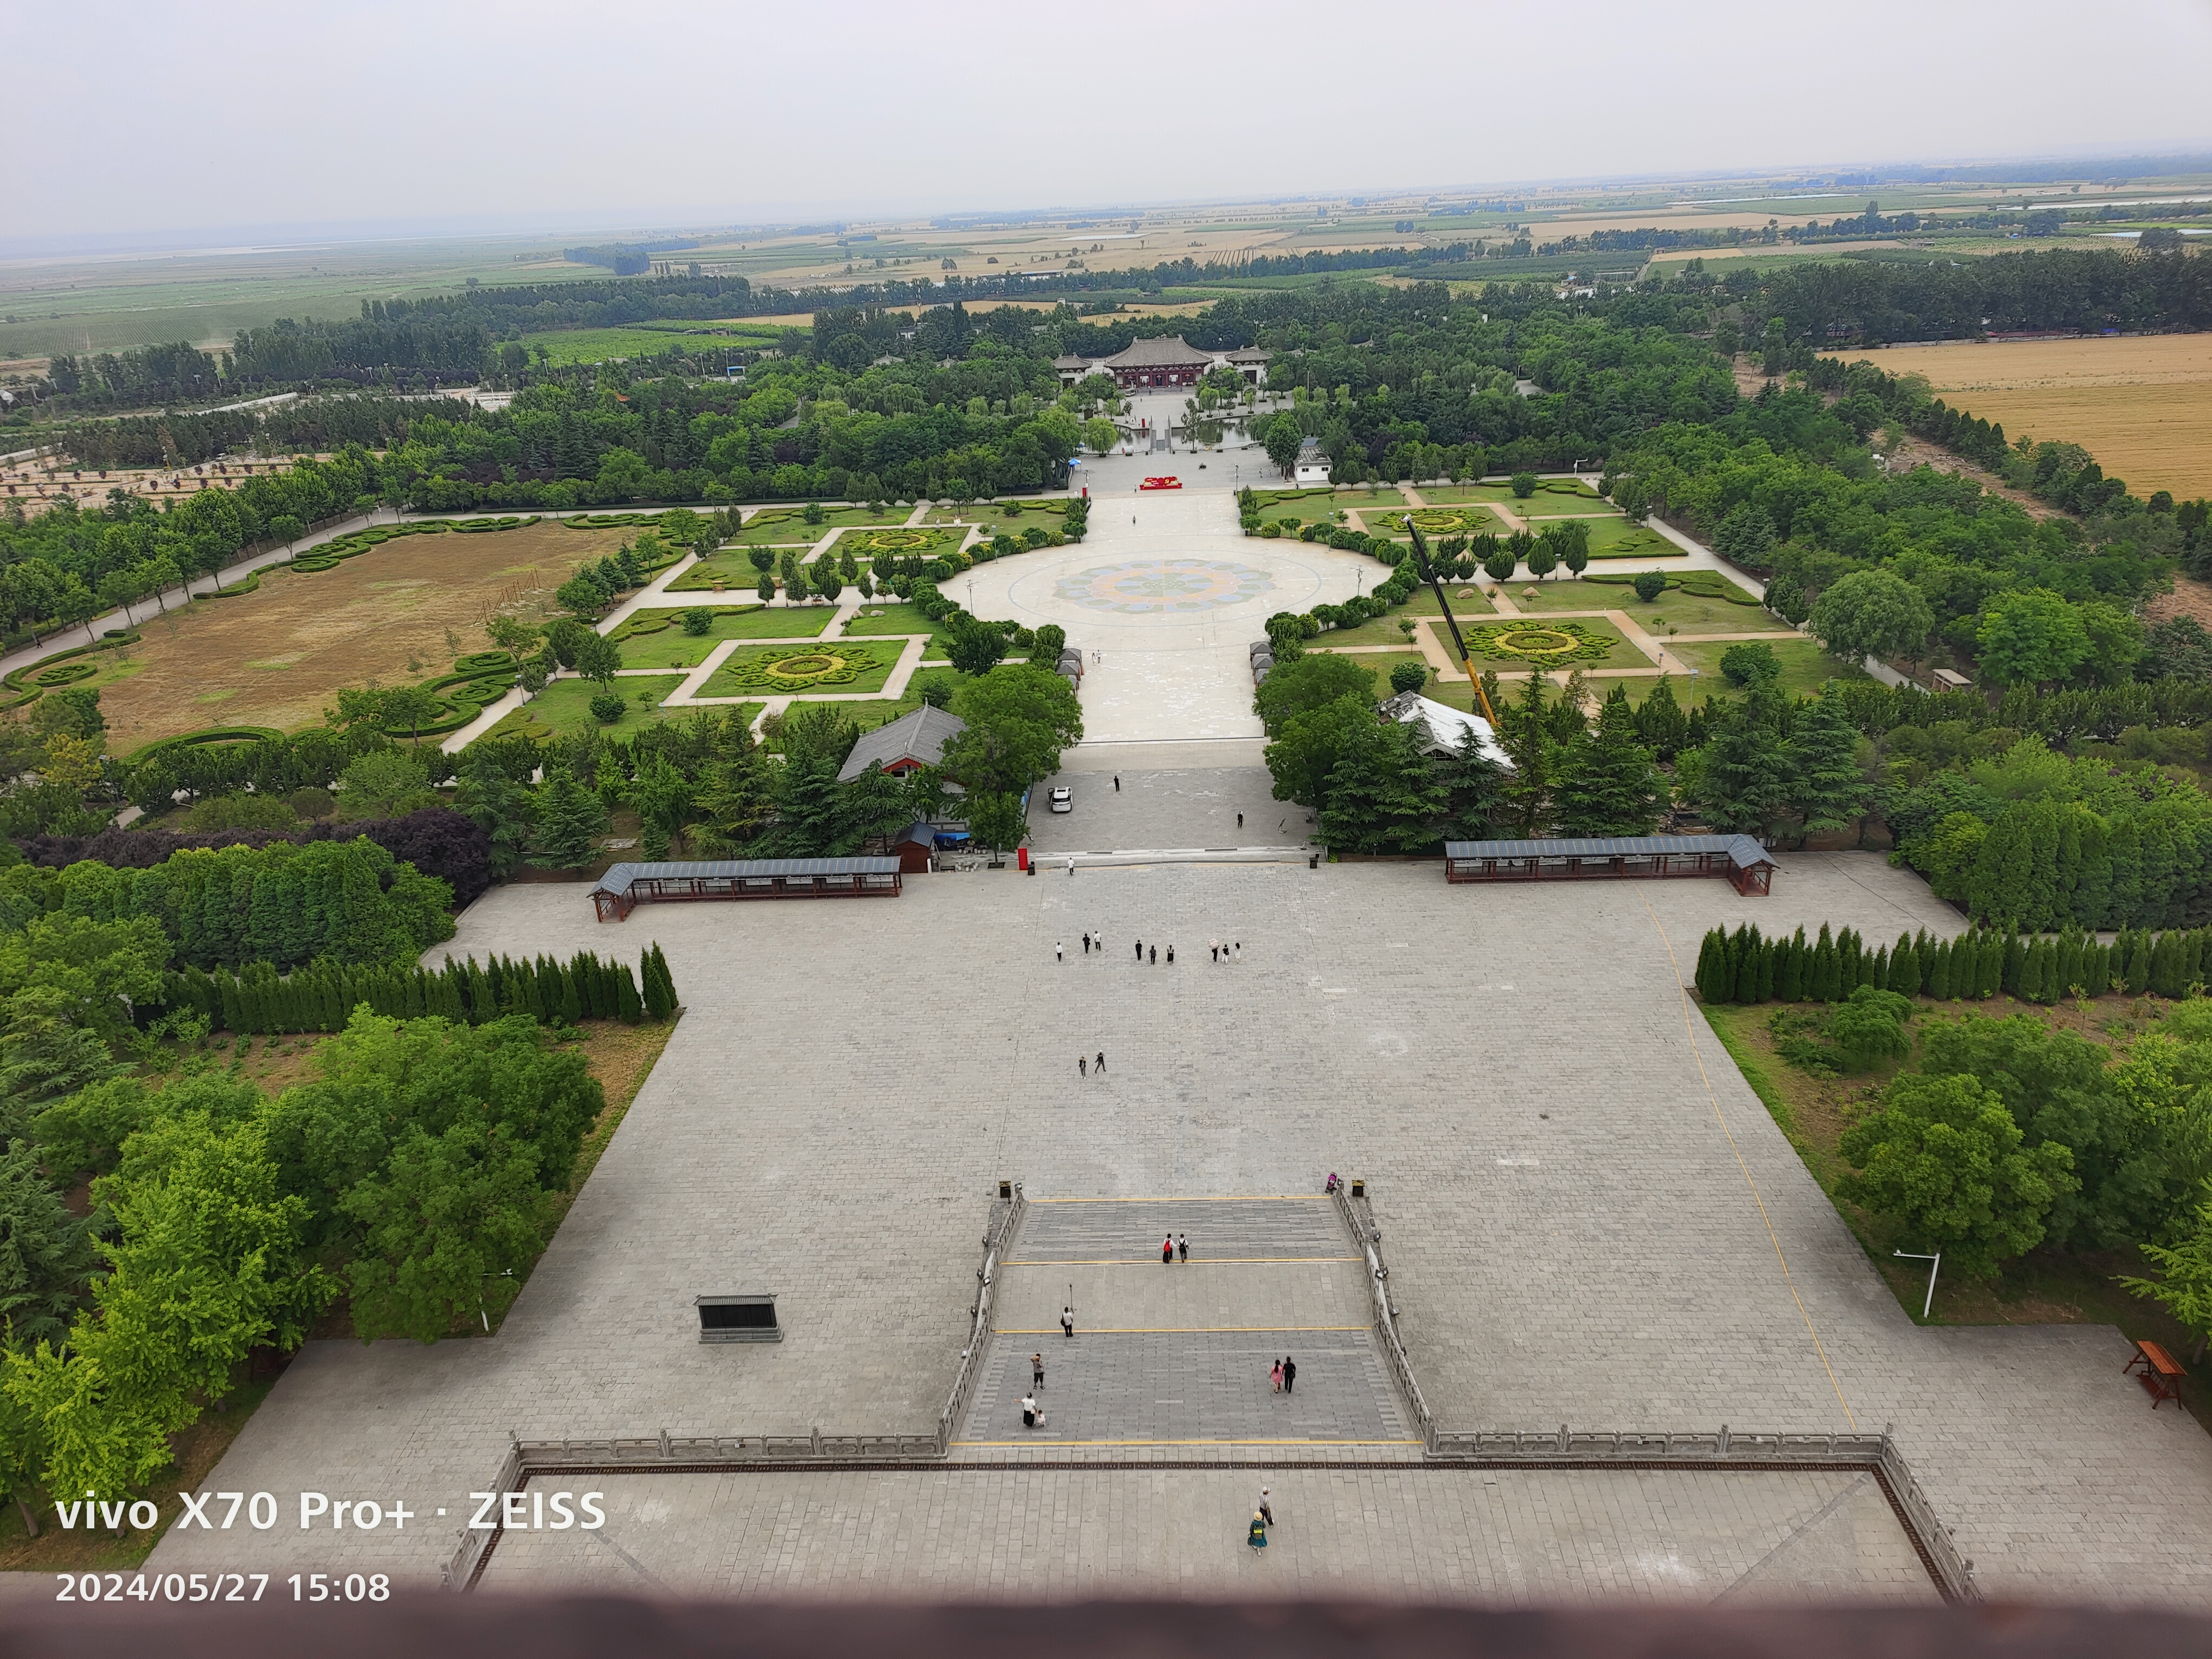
915,845
1950,679
904,745
1313,463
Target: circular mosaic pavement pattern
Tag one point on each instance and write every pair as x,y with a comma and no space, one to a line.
1153,588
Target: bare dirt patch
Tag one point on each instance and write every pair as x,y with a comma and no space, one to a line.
2190,597
1908,453
397,614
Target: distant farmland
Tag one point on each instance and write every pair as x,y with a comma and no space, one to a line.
2142,403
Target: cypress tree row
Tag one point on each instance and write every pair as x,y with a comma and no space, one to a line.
322,997
1741,967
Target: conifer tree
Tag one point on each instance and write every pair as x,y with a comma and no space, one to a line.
1768,950
629,1007
1789,972
1939,972
2139,953
1709,967
570,821
1827,971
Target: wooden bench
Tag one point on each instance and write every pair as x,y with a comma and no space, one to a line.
2161,1373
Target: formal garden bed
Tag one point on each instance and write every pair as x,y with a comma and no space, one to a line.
838,666
898,541
659,638
729,572
565,707
1546,642
1617,539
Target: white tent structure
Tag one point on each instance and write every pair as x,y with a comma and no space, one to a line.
1447,727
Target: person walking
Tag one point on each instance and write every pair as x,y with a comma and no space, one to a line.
1213,948
1101,1062
1275,1376
1267,1508
1156,955
1082,1066
1058,953
1032,1416
1167,1251
1238,950
1086,945
1037,1372
1067,1323
1140,950
1289,1374
1170,955
1117,783
1256,1537
1240,820
1182,1245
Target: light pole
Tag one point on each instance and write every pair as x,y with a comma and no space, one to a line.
1937,1267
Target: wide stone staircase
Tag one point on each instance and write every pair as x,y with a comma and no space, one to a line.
1179,1354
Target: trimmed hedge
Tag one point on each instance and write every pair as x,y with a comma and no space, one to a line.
30,682
436,840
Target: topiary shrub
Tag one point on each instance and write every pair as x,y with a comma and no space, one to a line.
698,622
607,707
1649,585
1524,485
1409,676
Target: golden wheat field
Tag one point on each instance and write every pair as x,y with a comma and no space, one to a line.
2142,403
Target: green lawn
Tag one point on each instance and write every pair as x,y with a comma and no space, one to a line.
669,646
1617,539
1804,667
1688,613
874,659
1305,509
593,345
564,707
876,620
1555,495
732,569
783,527
1380,663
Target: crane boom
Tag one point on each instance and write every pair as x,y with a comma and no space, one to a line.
1429,574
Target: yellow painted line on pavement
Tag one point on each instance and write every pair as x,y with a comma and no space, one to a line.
1171,1330
1167,1330
1154,1261
1689,1031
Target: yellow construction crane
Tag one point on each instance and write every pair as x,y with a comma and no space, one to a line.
1428,571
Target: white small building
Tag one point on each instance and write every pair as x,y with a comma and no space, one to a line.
1313,463
1445,728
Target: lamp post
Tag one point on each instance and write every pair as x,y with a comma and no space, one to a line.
1936,1266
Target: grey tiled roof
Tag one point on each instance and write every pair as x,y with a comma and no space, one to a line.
1742,850
920,736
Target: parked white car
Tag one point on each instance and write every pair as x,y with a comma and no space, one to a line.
1063,800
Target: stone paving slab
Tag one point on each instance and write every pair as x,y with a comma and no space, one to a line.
1506,1537
1589,1217
1175,808
1172,1387
1236,1230
1144,1295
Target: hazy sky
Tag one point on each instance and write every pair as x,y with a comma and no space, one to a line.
135,118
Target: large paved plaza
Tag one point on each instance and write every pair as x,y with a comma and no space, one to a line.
1589,1217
